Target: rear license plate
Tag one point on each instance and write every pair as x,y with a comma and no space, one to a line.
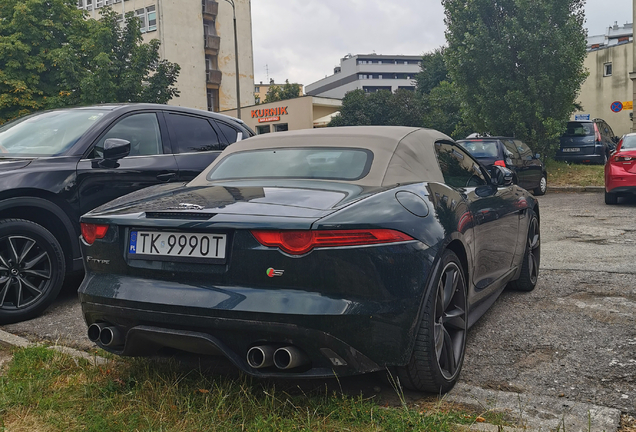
176,245
571,149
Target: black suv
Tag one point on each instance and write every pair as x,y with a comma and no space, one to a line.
57,165
589,141
529,172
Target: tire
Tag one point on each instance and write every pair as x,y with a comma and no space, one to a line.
32,269
543,186
611,198
531,258
438,353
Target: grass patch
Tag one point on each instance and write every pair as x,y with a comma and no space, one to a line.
569,174
45,390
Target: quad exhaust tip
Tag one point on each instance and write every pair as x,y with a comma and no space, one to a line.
106,335
289,358
261,356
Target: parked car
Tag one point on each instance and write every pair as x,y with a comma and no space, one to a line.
530,173
620,170
55,166
589,141
313,253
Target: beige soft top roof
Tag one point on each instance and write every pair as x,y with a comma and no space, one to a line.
400,154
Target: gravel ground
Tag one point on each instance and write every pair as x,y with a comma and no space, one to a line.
573,337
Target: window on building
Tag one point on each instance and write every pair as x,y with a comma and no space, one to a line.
282,127
151,15
607,69
141,14
257,100
260,130
192,134
257,89
379,76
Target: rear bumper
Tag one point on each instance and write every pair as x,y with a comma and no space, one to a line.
617,180
579,158
363,333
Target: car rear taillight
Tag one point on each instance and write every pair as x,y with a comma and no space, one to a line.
597,134
624,158
92,232
301,242
500,163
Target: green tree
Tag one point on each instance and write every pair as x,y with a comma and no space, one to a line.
51,56
443,110
40,44
518,65
433,71
121,67
402,108
286,91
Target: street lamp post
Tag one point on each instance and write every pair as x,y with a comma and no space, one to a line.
236,59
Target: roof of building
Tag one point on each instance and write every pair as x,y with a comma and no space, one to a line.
614,35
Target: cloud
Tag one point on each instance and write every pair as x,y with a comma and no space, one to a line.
302,40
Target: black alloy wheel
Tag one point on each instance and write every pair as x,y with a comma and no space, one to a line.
438,354
531,259
31,269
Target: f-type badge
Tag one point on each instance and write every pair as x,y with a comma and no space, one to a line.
273,272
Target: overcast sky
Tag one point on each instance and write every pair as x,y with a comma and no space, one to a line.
302,40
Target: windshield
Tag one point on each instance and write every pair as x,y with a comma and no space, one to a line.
629,142
481,149
577,129
305,163
46,134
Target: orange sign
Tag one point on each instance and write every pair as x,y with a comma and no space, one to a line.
268,119
269,112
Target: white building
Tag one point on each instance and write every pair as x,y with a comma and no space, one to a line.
198,35
368,72
607,92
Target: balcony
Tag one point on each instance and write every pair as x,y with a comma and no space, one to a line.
212,43
210,10
213,76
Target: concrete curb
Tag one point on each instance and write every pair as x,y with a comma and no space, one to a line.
537,413
573,189
20,342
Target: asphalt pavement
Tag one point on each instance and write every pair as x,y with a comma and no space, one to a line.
565,349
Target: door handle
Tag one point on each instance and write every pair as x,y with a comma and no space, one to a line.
167,176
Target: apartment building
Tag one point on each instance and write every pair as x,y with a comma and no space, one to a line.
198,35
609,61
368,72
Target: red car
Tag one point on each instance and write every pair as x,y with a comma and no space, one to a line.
620,170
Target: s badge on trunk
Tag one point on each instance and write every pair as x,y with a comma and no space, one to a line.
273,272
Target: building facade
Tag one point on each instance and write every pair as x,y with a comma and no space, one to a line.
305,112
198,35
370,72
609,62
260,90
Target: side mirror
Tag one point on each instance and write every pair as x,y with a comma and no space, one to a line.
501,176
115,149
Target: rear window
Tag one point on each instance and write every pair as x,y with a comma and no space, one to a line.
578,129
481,149
629,142
306,163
